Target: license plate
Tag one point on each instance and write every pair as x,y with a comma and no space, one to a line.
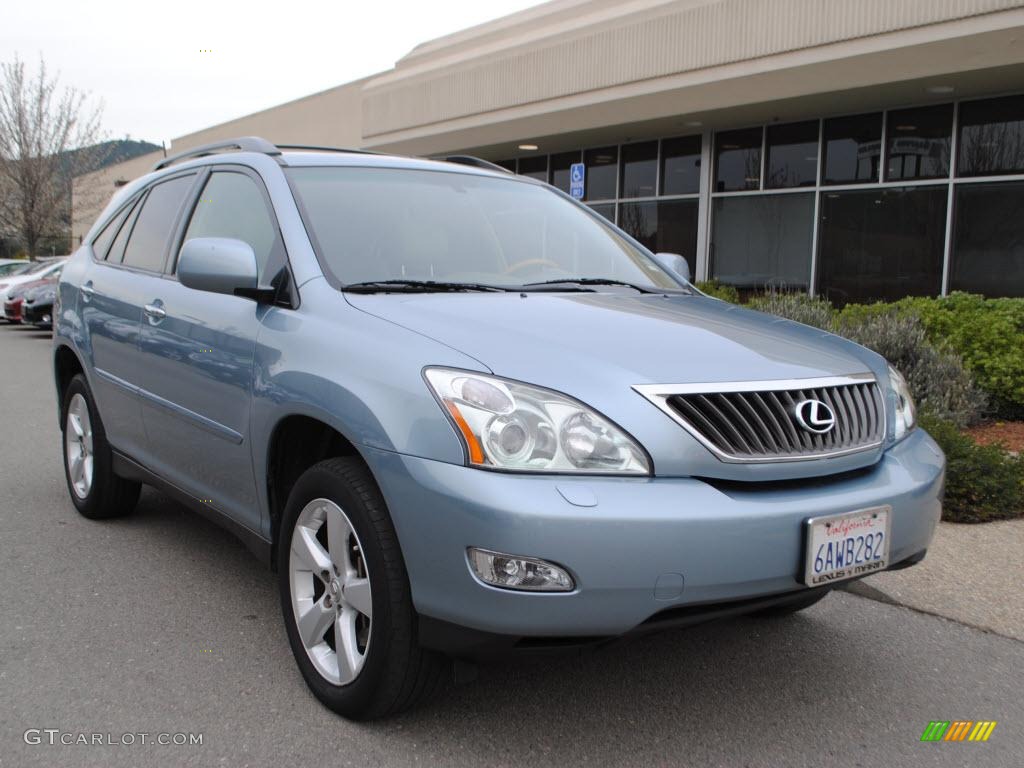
845,546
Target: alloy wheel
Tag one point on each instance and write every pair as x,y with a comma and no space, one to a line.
78,444
330,591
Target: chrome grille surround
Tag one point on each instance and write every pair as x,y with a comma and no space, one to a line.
754,422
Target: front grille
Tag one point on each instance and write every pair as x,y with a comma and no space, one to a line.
760,423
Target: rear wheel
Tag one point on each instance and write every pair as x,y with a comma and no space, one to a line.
95,490
345,595
811,598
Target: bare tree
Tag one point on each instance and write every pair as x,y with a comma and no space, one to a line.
48,135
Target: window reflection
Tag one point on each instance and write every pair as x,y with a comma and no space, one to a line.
988,246
853,149
792,155
680,166
763,240
881,244
640,169
918,143
991,138
601,170
738,160
666,225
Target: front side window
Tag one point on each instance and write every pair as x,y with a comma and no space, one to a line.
375,224
232,205
147,243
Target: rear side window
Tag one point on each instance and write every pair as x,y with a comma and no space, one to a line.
101,245
147,242
232,205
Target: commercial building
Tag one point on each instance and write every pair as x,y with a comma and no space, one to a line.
861,149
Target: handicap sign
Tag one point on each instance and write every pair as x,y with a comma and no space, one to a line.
577,173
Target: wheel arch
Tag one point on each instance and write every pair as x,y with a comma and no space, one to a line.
296,442
66,365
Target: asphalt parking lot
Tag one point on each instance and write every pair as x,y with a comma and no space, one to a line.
163,623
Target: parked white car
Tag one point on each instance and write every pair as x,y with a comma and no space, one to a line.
37,271
13,266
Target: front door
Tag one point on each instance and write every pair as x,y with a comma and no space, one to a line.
197,358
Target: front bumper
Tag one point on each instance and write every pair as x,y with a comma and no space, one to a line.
641,546
38,314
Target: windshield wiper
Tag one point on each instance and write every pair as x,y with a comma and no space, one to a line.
418,286
604,281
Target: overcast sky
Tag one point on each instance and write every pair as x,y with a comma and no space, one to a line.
145,61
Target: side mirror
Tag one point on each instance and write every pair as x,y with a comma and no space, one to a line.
218,265
675,263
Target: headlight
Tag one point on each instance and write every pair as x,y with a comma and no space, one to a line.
905,415
513,426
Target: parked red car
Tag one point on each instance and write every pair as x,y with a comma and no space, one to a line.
16,298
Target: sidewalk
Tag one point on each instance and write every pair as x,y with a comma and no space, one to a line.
973,574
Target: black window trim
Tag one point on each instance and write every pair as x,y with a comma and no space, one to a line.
140,201
293,299
128,205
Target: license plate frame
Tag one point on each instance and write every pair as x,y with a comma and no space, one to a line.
850,525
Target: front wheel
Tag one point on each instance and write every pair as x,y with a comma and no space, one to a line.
345,595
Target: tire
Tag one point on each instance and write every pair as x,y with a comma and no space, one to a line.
383,670
96,491
777,611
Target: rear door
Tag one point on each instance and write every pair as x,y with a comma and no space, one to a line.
197,354
111,294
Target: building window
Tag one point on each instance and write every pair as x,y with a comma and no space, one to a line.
508,165
640,169
991,138
763,240
738,160
918,143
792,155
560,165
666,226
853,149
680,166
988,246
534,167
605,209
602,166
881,244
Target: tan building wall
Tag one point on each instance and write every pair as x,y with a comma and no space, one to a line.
574,73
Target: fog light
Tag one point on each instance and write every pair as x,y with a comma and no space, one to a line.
515,572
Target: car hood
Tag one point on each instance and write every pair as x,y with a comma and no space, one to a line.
562,339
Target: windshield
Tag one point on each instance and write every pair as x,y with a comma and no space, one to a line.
380,224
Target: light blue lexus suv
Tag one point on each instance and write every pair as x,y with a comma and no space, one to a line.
461,414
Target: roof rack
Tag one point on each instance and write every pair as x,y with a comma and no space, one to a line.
313,148
243,144
476,162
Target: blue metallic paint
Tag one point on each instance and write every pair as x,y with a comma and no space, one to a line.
355,363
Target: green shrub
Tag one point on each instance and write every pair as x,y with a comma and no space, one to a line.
719,290
938,380
983,482
800,307
988,334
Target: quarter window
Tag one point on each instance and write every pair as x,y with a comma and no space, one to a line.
147,244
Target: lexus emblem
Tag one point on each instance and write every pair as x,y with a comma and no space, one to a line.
815,416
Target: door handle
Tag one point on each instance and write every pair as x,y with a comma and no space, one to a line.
87,290
155,312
